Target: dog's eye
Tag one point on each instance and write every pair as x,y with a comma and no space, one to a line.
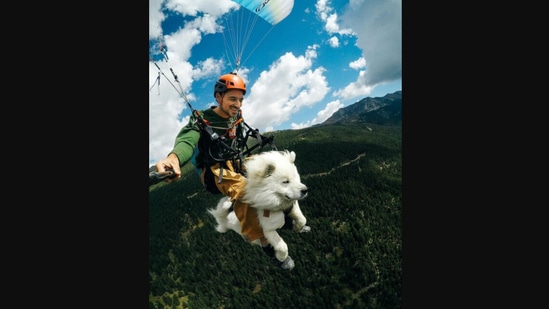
286,181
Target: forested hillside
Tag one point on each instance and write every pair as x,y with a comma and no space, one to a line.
352,258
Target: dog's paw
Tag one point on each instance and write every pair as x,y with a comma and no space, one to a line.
281,251
288,263
300,226
221,228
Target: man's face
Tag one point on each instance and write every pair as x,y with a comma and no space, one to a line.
231,102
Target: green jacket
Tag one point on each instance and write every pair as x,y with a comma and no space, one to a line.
190,136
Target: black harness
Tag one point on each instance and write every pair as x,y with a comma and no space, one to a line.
220,149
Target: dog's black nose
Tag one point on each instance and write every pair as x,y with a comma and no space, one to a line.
304,191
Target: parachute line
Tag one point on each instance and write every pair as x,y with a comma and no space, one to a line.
157,79
239,29
240,24
257,45
181,93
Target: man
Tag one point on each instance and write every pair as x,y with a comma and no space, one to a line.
211,130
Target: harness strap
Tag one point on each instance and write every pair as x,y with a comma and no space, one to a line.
220,173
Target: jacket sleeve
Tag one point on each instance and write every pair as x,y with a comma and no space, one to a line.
186,141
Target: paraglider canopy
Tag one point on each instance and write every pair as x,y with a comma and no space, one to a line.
240,24
272,11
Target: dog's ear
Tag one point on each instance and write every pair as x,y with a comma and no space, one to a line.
292,157
269,170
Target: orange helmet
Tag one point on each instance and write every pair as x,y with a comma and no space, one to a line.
229,81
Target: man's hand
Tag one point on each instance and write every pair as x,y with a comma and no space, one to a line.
171,162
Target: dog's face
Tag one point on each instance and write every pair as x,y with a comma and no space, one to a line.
272,178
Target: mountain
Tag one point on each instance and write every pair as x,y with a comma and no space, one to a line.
385,110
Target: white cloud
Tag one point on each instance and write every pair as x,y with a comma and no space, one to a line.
334,41
324,12
378,27
321,116
358,64
288,85
358,88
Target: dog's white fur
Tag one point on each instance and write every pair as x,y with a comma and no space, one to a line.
272,183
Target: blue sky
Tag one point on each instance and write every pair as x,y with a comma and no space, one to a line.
325,55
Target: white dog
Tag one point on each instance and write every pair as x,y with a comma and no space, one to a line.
273,187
